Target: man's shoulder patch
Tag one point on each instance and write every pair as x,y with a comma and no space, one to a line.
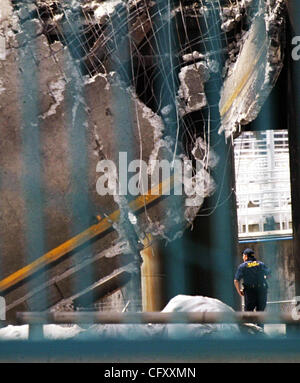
252,264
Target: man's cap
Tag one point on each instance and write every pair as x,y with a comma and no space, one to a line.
248,252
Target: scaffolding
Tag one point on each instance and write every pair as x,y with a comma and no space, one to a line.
263,183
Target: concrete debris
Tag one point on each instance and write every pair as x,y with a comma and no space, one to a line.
203,153
5,11
132,218
158,128
106,8
191,92
201,184
166,110
2,48
127,227
101,10
233,14
212,65
2,89
193,56
7,24
249,82
234,48
56,90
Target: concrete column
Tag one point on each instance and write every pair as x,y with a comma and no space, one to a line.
152,277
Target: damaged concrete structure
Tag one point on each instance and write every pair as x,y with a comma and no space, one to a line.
253,67
84,81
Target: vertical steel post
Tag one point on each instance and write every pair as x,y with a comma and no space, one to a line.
166,85
222,219
120,62
293,99
76,126
31,137
35,332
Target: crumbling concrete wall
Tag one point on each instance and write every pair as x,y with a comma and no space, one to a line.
54,154
146,129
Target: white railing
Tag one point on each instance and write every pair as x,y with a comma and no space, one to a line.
263,183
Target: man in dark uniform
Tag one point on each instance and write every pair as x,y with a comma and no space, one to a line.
254,274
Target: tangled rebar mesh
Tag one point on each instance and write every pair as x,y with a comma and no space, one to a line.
130,37
174,55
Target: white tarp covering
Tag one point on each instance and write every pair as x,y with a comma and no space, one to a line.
183,303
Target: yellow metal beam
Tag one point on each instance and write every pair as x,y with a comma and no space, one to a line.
73,243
